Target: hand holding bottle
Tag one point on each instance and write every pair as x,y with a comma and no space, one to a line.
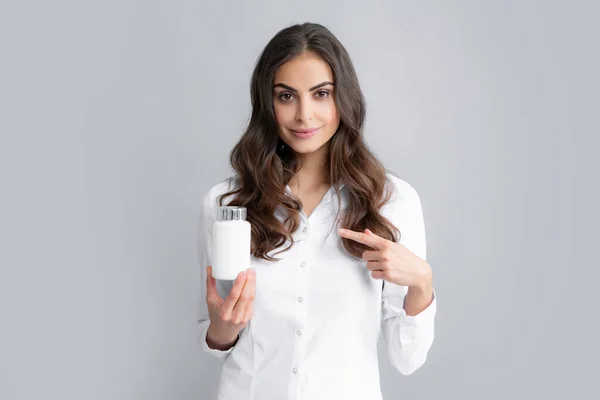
228,317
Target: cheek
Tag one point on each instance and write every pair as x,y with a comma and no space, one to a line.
283,114
330,113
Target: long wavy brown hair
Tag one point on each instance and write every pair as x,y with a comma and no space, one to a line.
264,163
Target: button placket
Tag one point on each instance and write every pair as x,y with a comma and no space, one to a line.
304,224
300,320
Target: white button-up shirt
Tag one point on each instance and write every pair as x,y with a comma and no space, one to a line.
318,313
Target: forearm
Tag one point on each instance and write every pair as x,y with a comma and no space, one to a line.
419,297
417,300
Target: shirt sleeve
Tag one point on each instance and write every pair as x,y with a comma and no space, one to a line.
206,217
407,338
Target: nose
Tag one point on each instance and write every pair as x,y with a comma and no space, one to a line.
304,111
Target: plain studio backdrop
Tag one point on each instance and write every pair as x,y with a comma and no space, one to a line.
116,116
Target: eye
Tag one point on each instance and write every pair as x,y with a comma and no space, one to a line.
283,96
322,93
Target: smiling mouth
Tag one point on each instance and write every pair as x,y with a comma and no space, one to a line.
304,131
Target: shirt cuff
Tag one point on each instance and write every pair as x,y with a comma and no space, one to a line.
202,331
424,316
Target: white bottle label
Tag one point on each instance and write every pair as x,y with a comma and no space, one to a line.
230,248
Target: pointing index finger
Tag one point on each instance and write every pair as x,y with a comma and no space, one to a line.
373,240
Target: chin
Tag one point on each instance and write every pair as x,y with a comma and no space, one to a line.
305,147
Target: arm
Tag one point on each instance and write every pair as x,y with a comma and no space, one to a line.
408,313
206,217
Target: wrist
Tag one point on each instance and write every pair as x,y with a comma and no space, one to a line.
422,294
419,296
220,342
424,284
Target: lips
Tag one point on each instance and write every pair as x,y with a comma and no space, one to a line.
304,131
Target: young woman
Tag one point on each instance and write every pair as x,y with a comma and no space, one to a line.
304,321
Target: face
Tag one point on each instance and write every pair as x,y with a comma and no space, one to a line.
303,98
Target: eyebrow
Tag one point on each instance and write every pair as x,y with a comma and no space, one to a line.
291,89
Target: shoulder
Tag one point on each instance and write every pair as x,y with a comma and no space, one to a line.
404,204
216,190
405,212
402,191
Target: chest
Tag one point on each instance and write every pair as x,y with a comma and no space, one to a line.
316,281
311,199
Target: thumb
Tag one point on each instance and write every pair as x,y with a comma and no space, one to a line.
211,285
368,232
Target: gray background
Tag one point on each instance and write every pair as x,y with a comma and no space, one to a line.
116,116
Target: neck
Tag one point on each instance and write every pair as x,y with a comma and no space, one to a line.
313,169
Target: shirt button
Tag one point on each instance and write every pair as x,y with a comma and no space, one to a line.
305,229
300,299
302,264
299,332
295,370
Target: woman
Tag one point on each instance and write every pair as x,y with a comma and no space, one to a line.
304,321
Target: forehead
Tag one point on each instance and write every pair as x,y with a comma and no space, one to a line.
304,71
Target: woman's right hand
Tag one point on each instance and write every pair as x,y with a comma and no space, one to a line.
228,317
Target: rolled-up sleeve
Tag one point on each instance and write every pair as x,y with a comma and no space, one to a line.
408,338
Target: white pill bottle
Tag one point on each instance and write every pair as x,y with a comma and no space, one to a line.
230,243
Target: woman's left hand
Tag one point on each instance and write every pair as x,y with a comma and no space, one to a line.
391,261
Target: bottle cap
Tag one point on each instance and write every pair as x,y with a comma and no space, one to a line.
228,213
